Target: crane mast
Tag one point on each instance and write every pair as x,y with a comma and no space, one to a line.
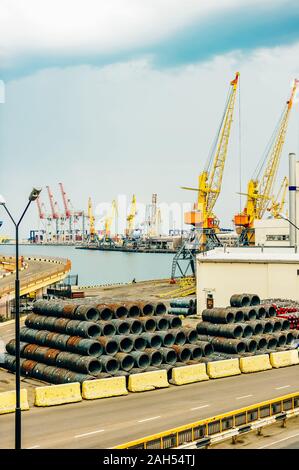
215,181
268,179
210,180
260,191
205,225
131,218
54,211
109,218
91,218
65,202
278,203
40,206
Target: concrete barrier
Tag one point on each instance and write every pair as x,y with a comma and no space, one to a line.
103,388
255,363
284,358
8,401
147,381
189,374
57,394
225,368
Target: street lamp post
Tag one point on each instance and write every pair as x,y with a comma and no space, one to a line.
290,222
32,197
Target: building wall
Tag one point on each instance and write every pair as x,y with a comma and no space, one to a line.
272,232
267,279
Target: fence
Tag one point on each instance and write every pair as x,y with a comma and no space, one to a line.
202,431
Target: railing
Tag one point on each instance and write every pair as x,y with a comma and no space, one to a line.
60,267
207,428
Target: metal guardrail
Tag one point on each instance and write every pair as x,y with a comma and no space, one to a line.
206,428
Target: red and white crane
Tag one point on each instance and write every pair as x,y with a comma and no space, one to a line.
67,210
41,209
53,205
54,210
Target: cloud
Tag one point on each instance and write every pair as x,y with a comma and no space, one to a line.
35,34
131,127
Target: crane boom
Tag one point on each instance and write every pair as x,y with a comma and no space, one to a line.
109,218
131,217
91,219
55,214
216,175
267,181
210,180
65,202
260,191
278,203
40,206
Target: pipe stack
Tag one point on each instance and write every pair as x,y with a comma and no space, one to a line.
183,306
246,326
83,338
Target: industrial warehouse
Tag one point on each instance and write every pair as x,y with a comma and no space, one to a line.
149,290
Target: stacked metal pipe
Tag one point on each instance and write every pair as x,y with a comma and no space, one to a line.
89,339
246,326
183,306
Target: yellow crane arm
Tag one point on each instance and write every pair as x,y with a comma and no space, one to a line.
267,181
91,218
215,178
278,203
110,217
131,217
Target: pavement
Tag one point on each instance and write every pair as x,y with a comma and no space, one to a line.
34,272
108,422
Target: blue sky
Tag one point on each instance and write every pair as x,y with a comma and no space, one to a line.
115,97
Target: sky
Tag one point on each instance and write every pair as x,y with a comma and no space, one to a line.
125,96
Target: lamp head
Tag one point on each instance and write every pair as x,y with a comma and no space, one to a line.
2,200
34,194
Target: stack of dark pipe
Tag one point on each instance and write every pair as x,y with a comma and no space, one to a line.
247,326
67,341
183,306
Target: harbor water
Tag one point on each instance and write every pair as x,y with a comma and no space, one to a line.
101,267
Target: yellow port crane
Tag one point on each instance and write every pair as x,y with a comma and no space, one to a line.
109,220
278,203
202,218
260,188
93,236
210,180
131,218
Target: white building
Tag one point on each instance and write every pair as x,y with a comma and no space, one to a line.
269,269
267,272
276,232
272,232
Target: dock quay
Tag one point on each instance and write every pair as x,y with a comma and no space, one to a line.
127,249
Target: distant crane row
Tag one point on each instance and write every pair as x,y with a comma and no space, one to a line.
205,225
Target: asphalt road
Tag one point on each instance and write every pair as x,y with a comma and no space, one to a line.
35,270
108,422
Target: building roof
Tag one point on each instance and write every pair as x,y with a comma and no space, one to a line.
250,255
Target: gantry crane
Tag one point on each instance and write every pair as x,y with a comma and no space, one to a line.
260,187
202,218
131,218
41,208
277,205
106,239
93,236
54,210
44,216
109,220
